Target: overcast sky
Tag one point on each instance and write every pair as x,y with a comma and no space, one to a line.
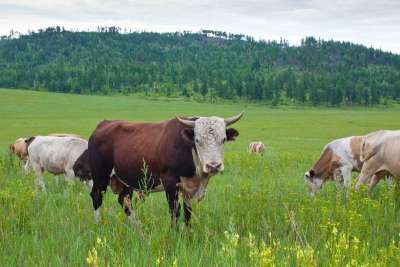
372,23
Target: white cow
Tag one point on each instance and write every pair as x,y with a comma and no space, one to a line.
56,155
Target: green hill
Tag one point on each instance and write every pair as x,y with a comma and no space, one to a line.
207,64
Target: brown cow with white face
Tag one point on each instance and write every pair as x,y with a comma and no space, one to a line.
178,155
337,162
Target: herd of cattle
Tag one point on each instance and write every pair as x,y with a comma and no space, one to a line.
180,155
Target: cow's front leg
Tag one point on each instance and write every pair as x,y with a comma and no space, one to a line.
346,172
97,199
27,167
172,194
187,207
39,177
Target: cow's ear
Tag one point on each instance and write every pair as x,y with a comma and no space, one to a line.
188,135
231,134
12,148
312,173
29,140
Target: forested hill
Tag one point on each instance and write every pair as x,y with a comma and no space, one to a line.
208,64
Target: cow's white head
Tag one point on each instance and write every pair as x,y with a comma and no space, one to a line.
209,135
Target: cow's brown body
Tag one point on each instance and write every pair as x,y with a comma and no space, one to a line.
136,150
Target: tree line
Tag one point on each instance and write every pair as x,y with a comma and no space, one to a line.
207,64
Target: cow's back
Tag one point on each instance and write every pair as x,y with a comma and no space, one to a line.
56,152
373,142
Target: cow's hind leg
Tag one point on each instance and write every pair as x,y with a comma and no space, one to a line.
342,177
374,181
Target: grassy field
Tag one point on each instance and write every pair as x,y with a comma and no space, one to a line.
257,213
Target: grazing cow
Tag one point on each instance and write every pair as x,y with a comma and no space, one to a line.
380,154
178,155
256,147
19,148
337,161
54,154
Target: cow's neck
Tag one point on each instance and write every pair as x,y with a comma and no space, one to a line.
194,187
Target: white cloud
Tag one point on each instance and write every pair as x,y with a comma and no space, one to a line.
361,21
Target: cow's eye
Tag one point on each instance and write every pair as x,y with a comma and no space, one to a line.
197,140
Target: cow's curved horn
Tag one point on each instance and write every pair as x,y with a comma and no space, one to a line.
187,123
233,119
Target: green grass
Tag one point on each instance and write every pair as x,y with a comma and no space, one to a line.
257,212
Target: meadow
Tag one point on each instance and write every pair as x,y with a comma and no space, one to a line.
257,213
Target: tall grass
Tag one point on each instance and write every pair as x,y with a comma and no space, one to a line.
257,213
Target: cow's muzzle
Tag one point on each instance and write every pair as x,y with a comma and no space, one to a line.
214,167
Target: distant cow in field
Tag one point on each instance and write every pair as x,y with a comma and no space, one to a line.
256,147
178,155
337,162
19,148
56,155
380,154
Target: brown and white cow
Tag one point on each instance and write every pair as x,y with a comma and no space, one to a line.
256,147
178,155
380,154
337,162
